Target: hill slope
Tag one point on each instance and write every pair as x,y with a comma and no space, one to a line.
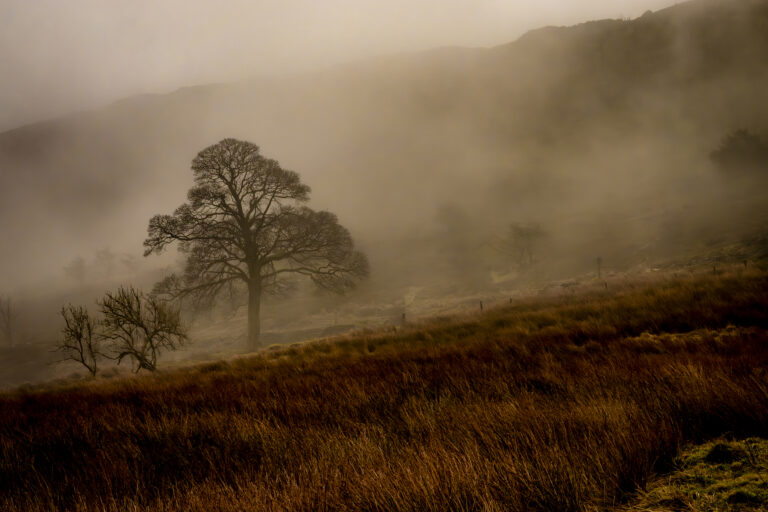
603,119
552,404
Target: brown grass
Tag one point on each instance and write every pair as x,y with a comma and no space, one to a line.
560,404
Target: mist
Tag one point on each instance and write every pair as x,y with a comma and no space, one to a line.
471,155
56,58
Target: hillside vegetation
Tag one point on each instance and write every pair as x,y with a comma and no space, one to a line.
554,404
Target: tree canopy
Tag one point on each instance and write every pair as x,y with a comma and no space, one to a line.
245,222
741,151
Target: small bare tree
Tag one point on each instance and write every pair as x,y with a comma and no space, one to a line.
7,320
81,338
140,326
741,151
521,240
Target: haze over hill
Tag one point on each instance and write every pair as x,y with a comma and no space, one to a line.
599,133
58,57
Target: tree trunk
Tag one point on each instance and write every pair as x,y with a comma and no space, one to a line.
254,315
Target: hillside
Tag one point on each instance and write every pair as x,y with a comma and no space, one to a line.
565,126
570,403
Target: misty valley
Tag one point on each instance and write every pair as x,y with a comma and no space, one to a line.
532,276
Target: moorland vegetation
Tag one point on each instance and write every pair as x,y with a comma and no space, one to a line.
563,403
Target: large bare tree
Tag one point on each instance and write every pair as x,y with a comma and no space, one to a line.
245,222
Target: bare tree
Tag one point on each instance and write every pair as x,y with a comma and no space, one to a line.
76,269
7,320
140,326
460,240
741,151
245,223
521,241
81,338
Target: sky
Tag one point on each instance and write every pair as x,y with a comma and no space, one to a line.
58,56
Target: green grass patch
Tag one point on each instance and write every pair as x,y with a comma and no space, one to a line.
716,476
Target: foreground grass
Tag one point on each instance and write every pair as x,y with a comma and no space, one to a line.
561,404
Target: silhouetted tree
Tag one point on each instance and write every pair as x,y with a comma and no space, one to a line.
140,326
522,240
741,151
7,320
460,242
131,324
81,338
244,223
76,269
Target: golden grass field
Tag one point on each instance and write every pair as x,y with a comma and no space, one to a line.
570,403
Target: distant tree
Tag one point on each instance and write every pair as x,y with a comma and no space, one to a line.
741,151
81,338
522,240
139,326
7,320
76,269
244,223
460,243
105,260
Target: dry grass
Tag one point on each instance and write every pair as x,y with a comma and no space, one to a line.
563,404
